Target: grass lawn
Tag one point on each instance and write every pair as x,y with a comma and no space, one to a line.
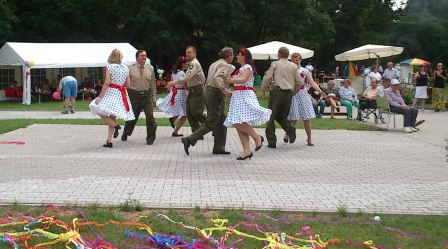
346,230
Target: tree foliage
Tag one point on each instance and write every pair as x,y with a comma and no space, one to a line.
165,28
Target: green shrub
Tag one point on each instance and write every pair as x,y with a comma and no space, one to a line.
407,97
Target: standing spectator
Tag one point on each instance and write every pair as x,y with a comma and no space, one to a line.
244,109
215,94
397,105
421,87
380,69
391,72
285,76
348,97
113,101
438,91
374,74
142,93
70,86
195,79
332,98
175,103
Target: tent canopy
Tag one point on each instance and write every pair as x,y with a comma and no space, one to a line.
269,51
63,55
369,51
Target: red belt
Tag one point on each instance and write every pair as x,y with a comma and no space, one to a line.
302,87
239,88
174,91
122,89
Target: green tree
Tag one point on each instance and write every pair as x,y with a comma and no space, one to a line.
422,30
8,20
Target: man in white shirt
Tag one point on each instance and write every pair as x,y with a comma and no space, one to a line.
391,72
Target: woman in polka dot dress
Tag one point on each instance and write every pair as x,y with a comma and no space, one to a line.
175,103
301,105
113,101
245,110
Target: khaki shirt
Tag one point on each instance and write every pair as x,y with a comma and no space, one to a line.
194,75
284,74
142,78
217,72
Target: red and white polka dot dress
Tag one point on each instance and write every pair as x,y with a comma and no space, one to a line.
180,100
244,106
112,102
301,105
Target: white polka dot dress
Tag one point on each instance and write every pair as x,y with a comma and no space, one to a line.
112,102
301,105
180,100
244,106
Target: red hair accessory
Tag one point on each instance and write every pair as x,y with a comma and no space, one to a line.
243,51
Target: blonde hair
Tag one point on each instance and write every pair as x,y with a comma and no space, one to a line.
115,57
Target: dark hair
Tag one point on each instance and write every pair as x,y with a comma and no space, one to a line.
248,58
139,52
178,66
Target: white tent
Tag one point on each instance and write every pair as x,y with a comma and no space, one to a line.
369,51
60,55
269,51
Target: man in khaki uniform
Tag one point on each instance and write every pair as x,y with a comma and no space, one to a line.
195,79
142,93
285,76
215,93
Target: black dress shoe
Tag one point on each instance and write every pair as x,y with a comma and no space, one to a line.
124,137
117,127
273,146
108,145
176,135
292,134
221,152
244,158
186,144
172,122
261,144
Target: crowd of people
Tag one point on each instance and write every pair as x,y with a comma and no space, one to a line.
129,90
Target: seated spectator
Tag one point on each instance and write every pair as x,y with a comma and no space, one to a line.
332,98
369,96
368,99
348,97
317,100
385,84
54,85
98,85
84,84
397,105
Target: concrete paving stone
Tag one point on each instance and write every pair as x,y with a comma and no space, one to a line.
377,172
